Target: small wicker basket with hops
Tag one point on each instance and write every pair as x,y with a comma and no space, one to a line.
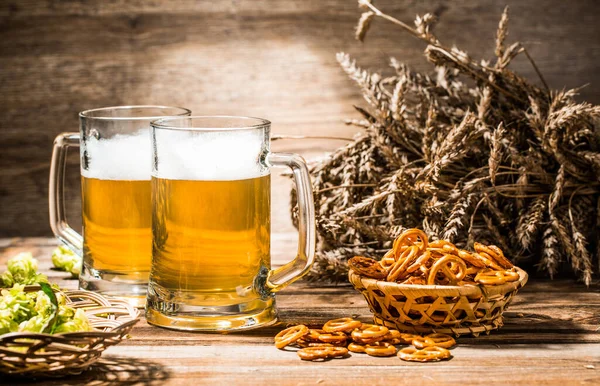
55,355
424,287
455,310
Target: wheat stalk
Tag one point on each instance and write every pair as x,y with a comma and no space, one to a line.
470,152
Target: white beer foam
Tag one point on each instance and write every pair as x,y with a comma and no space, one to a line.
122,157
209,156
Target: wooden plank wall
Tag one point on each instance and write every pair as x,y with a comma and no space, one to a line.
268,58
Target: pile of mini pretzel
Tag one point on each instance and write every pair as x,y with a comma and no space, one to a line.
415,260
338,337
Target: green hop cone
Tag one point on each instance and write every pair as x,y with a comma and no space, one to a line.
22,269
16,307
78,322
66,260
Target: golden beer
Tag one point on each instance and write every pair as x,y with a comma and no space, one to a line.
211,220
115,150
117,227
211,240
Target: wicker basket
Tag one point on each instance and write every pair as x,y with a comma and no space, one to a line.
455,310
69,353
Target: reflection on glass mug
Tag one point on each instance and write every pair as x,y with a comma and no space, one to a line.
211,264
115,193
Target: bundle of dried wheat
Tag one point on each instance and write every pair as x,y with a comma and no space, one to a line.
502,161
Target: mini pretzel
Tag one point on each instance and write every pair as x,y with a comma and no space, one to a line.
439,340
496,277
367,341
333,338
314,353
367,267
500,258
438,252
380,349
408,338
408,237
487,260
369,332
341,324
387,262
303,343
447,266
469,258
473,270
393,341
440,244
372,330
398,250
392,334
393,337
450,249
415,280
421,261
355,347
428,354
290,335
402,263
313,335
495,253
389,254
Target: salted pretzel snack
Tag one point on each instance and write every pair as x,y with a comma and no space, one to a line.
402,263
369,332
340,336
410,237
314,353
492,277
313,334
452,268
415,260
302,343
341,324
290,335
333,337
368,267
495,253
381,349
427,354
431,340
355,347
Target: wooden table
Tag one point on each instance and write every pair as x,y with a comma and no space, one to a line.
551,336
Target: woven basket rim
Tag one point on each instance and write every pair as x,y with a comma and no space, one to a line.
462,290
77,334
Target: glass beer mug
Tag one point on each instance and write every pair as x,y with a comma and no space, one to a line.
211,264
115,192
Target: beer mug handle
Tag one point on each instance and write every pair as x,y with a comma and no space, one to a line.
58,220
281,277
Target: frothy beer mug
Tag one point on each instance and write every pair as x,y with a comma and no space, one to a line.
115,193
211,264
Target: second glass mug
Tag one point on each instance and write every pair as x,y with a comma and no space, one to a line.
211,264
115,193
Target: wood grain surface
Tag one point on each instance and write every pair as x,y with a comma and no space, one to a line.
267,58
551,336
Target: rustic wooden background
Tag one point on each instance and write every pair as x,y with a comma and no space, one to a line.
268,58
